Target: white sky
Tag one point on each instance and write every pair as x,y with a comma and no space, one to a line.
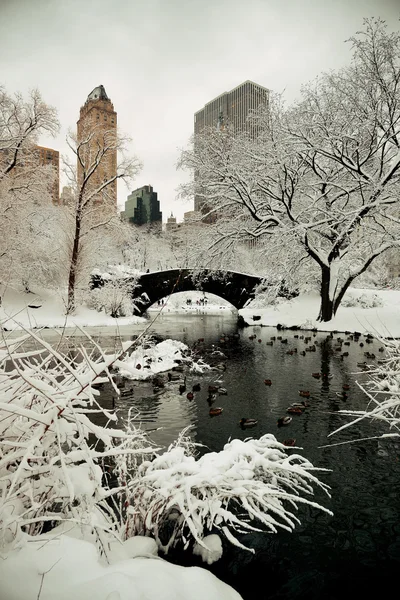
161,60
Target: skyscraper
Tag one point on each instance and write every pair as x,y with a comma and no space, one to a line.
142,206
230,108
98,120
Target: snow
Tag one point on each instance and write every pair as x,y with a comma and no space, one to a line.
212,550
144,363
64,567
16,314
177,304
381,321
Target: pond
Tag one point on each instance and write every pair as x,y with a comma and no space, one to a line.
357,550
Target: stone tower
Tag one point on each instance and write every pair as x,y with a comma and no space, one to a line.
98,120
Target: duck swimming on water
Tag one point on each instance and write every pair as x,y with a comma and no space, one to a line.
247,422
284,421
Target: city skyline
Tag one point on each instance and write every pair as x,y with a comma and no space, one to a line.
177,60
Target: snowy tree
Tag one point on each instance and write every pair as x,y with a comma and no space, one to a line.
92,216
322,175
25,184
144,247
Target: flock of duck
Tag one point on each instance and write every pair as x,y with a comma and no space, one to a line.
296,408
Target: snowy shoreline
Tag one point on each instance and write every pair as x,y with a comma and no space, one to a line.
380,320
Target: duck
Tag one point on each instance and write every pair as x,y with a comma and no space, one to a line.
196,387
304,393
182,386
267,382
248,422
295,410
289,442
211,398
127,392
222,391
361,364
284,421
215,411
173,377
190,395
316,375
303,405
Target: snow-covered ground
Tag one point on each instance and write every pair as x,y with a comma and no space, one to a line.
47,309
177,303
302,311
63,567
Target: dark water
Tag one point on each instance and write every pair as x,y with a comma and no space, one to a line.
354,553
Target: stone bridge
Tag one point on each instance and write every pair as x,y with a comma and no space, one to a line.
236,288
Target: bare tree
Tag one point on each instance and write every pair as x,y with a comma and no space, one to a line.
25,184
323,175
93,212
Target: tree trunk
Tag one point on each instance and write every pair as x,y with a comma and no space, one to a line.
326,311
73,266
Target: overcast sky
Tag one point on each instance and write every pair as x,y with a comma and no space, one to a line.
161,60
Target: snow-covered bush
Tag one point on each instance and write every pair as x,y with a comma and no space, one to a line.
363,300
383,393
248,486
52,454
114,298
115,291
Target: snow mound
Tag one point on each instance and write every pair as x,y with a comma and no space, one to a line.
66,568
144,363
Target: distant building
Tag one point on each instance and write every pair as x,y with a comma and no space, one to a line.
30,157
230,108
142,206
98,118
67,196
192,217
48,156
171,224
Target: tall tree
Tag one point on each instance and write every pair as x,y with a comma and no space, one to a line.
92,213
323,175
25,184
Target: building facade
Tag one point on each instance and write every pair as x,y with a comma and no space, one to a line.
233,109
28,159
142,206
98,125
48,156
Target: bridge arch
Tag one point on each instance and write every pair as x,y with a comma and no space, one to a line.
236,288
